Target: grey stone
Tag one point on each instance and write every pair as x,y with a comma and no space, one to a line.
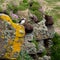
46,57
29,37
40,58
41,49
30,48
43,32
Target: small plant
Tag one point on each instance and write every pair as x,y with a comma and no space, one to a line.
36,43
35,6
25,1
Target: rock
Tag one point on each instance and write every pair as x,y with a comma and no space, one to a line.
51,31
46,58
40,58
30,48
29,37
43,32
50,43
11,38
5,36
41,49
4,6
23,14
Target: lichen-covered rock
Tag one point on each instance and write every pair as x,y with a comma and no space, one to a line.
11,38
38,33
43,32
41,48
30,48
29,37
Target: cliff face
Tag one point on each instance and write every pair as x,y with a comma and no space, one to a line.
39,29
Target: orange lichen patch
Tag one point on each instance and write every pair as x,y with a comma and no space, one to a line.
19,35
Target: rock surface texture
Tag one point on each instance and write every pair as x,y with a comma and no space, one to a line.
37,28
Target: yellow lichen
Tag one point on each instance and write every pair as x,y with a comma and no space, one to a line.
19,35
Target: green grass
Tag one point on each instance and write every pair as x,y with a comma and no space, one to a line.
35,10
35,6
22,6
57,7
55,49
52,1
1,1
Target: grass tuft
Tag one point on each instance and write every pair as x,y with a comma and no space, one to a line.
55,49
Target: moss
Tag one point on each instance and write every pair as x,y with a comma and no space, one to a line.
35,6
35,10
12,7
38,14
25,1
23,6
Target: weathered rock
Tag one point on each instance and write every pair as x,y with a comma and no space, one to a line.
40,58
41,49
23,14
42,32
51,31
10,39
46,58
29,37
50,43
30,48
